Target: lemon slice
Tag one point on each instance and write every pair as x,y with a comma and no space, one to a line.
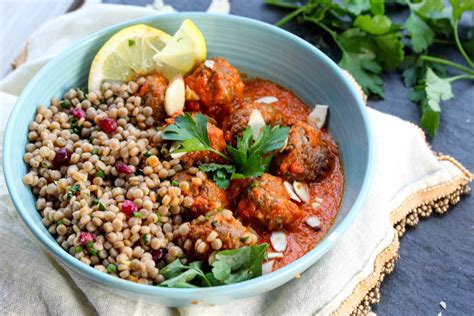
127,54
183,52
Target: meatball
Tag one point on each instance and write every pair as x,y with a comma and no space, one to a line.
237,122
306,156
216,139
218,231
268,203
206,197
217,84
153,94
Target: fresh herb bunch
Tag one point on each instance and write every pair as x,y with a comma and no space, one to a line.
371,43
251,158
228,267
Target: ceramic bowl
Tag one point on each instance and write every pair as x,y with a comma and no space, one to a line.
255,48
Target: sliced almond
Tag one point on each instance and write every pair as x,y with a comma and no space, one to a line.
279,241
256,123
173,147
274,255
267,100
302,190
267,267
314,222
284,145
291,192
209,64
190,95
175,96
315,205
318,115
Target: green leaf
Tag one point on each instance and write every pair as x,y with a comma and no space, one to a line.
365,70
437,89
357,6
389,50
270,139
420,32
181,280
237,265
429,119
460,7
173,269
377,7
186,127
377,25
221,174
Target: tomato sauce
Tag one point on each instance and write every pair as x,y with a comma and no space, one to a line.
301,237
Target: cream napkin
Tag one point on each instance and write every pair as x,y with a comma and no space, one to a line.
33,283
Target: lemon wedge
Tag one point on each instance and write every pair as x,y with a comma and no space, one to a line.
183,52
127,54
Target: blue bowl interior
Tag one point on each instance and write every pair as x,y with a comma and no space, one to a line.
256,49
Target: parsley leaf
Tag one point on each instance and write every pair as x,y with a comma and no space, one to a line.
357,6
230,266
221,174
237,265
377,25
249,155
437,89
192,132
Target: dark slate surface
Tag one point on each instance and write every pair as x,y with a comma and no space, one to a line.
437,257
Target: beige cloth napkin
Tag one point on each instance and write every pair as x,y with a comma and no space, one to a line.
33,283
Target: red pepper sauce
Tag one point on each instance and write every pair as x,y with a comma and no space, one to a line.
301,237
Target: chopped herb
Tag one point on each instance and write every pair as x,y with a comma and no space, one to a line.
112,268
60,222
72,190
101,207
44,164
146,239
89,244
78,249
175,183
146,154
215,224
244,239
95,151
208,215
95,202
137,214
93,252
65,104
131,42
100,174
158,217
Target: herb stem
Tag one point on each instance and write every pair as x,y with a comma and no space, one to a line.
282,4
291,16
327,29
218,153
447,63
470,77
461,49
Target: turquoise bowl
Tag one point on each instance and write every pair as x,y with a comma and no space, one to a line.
255,48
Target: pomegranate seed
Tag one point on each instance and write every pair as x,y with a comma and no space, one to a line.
78,113
158,255
62,158
128,207
85,237
108,125
123,168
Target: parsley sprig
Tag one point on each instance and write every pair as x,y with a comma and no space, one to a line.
371,43
191,132
250,158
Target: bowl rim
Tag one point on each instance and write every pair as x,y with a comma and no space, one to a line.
259,284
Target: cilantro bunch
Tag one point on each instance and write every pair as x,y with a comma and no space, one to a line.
371,43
